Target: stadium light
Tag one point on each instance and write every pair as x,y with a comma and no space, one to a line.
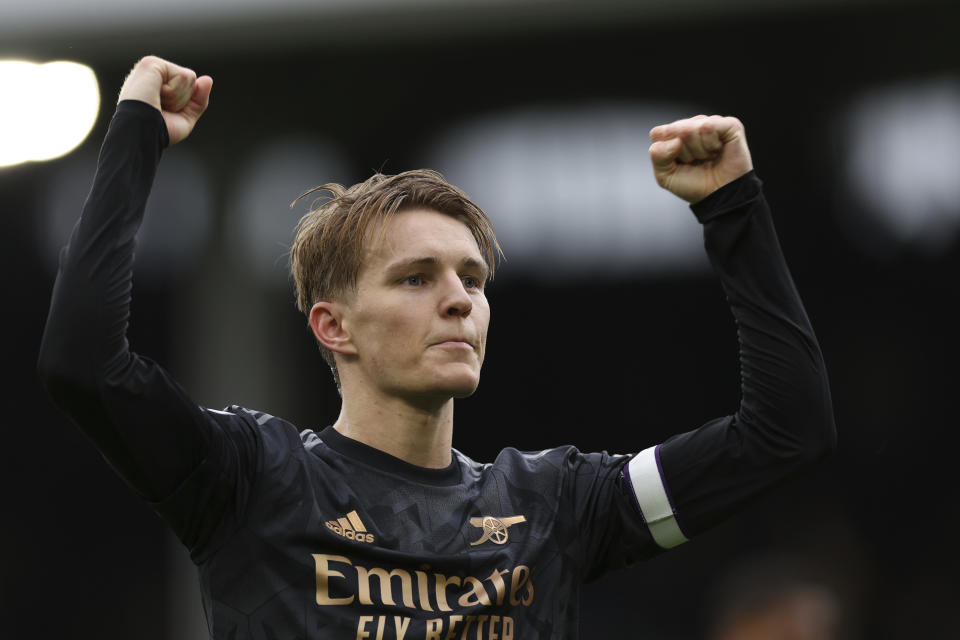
902,164
46,110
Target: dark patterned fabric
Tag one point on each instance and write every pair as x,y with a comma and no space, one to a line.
275,569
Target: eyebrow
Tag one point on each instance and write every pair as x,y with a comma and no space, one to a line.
432,261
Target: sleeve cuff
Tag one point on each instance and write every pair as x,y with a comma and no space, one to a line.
729,197
140,109
645,477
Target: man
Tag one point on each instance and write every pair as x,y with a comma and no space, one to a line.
375,527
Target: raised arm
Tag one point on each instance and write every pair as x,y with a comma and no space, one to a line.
785,419
135,414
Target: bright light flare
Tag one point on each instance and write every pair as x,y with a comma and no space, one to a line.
46,110
903,163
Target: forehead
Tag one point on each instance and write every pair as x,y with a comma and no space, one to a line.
419,233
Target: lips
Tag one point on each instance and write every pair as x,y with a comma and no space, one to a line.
453,340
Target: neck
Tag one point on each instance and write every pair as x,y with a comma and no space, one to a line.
420,434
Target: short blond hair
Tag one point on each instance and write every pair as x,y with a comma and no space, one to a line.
329,241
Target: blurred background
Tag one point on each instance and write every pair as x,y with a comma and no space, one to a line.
609,330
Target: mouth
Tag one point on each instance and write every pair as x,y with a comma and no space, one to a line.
454,343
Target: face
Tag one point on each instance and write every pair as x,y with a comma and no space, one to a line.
418,319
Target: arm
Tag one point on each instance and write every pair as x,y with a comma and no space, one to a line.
138,417
785,419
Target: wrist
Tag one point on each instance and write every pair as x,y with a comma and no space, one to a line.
143,84
729,197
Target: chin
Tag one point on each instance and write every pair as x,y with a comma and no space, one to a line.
459,388
457,385
441,391
465,392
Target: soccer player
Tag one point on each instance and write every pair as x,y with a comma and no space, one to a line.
375,527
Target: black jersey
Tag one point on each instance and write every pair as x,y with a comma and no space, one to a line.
298,534
330,538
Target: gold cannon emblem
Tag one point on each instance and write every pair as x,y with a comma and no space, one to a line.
494,529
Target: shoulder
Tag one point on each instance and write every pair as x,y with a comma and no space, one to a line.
265,431
236,414
555,461
557,456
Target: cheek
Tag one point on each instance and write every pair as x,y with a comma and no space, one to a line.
392,331
483,308
483,323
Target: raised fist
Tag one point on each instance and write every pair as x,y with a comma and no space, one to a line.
175,91
692,158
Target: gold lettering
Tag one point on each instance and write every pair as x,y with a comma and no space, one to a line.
472,592
324,573
469,621
441,590
423,583
453,626
480,621
362,627
476,595
434,629
519,580
507,632
386,592
401,623
498,584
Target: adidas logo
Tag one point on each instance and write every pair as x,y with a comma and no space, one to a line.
350,527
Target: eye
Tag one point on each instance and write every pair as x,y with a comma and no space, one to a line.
413,281
471,282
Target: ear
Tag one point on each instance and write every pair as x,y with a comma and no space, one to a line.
326,321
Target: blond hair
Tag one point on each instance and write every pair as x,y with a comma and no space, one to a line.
329,241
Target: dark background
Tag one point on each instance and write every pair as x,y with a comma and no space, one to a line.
603,363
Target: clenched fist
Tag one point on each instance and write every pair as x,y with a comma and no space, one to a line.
175,91
692,158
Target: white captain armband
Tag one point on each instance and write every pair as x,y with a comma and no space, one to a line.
644,474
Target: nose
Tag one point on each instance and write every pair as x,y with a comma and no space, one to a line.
456,300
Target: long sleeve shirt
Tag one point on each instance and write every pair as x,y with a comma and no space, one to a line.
300,534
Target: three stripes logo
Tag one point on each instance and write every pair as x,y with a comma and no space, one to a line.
350,527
